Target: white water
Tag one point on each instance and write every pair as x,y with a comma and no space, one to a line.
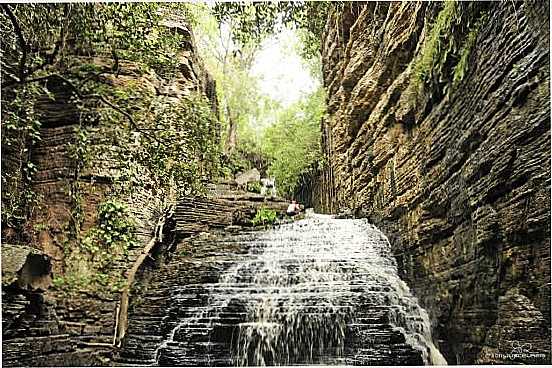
305,286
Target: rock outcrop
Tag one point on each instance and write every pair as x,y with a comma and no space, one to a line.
25,268
439,132
195,215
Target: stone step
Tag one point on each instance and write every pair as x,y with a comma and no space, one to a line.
293,284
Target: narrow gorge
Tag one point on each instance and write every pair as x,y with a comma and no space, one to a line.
143,224
453,165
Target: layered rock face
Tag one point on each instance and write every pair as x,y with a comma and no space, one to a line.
59,167
45,326
453,163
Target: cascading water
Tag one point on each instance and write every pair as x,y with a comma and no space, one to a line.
317,291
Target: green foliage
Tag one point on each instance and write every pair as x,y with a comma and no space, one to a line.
170,146
437,46
41,27
255,20
245,111
462,67
184,152
40,227
254,187
80,153
235,162
444,55
293,142
114,232
39,39
20,131
264,216
247,155
16,205
156,144
90,264
20,120
72,283
131,31
242,105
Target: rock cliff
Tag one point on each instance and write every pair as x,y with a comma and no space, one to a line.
438,130
45,326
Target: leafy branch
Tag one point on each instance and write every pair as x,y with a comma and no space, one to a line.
50,58
20,38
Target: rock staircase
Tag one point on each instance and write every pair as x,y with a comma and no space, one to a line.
312,292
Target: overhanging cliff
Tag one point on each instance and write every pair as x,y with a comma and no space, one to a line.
438,130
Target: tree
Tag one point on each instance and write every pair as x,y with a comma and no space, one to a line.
255,20
230,62
293,142
38,38
230,42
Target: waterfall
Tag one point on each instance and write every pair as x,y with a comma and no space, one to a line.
317,291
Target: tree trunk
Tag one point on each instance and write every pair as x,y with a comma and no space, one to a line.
231,136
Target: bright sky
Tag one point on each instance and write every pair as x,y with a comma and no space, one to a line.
282,73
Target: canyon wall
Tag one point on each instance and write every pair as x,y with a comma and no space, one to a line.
47,323
438,131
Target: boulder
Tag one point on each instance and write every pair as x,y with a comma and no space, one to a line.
248,176
25,267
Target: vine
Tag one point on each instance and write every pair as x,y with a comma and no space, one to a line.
461,68
20,131
79,153
91,263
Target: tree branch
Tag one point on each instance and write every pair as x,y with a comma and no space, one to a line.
49,60
20,38
112,105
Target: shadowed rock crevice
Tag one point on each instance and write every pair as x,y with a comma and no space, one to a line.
25,269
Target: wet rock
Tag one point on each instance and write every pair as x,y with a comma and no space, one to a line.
194,215
519,334
316,291
233,228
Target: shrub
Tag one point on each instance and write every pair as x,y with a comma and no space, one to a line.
264,216
254,187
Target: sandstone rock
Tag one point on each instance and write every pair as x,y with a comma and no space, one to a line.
519,334
236,208
84,316
248,176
